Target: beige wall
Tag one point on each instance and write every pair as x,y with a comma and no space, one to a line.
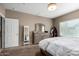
2,11
28,20
69,16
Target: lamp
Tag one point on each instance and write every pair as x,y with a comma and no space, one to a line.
52,6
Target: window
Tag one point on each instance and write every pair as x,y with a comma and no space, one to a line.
69,28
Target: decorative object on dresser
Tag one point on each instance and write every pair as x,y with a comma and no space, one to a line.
53,32
39,33
26,35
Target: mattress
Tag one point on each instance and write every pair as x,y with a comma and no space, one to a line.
61,46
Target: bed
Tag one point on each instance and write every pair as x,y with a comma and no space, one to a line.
60,46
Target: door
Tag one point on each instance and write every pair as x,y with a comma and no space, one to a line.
3,32
11,32
0,33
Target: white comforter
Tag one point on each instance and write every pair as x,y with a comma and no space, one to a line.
61,46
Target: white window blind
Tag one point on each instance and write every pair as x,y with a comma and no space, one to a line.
69,28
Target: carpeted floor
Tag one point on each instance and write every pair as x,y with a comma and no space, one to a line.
29,50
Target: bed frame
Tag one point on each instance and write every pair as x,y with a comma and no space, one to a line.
45,53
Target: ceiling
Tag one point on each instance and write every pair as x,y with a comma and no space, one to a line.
41,9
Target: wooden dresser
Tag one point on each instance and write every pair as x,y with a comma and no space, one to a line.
38,36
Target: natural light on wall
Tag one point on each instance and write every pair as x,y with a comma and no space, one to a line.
69,28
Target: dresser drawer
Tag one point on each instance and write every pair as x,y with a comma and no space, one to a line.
39,36
37,39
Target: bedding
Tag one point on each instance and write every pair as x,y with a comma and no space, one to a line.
44,43
61,46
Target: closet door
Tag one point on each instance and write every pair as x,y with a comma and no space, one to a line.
0,33
11,32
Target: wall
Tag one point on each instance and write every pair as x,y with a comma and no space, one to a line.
28,20
2,11
66,17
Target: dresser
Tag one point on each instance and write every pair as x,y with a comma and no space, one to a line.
38,36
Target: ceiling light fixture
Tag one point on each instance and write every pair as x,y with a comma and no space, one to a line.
52,6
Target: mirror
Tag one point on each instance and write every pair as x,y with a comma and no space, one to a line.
26,35
39,27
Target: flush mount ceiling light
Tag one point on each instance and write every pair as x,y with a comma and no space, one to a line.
52,6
